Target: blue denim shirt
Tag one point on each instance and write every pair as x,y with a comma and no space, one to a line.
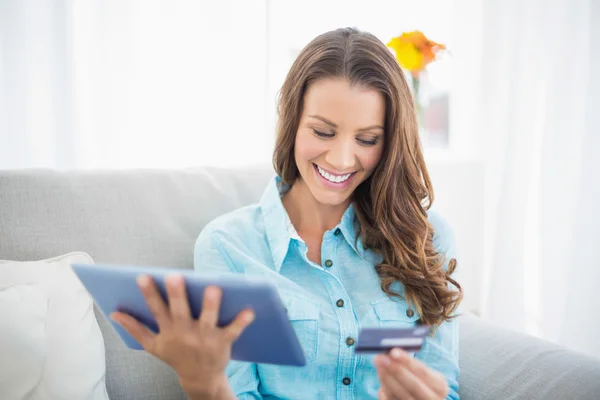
326,304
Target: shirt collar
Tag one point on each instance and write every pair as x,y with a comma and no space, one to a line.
275,219
350,228
280,231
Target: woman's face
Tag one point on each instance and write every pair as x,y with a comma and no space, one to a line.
340,138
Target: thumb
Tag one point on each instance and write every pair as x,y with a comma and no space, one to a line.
381,394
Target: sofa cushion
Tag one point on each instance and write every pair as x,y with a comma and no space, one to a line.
498,364
51,346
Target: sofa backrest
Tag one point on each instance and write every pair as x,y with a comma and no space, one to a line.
146,217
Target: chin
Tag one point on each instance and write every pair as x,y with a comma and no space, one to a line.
331,199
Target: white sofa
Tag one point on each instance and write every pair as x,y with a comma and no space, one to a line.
153,218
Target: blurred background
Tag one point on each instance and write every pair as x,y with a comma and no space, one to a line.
510,118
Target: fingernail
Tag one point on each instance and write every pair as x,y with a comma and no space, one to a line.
249,317
142,280
175,279
210,293
396,353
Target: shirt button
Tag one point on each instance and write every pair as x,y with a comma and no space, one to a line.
350,341
340,303
346,381
328,263
410,313
337,232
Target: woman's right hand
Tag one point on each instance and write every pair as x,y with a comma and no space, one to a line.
197,349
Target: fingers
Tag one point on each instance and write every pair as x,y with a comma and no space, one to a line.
434,380
437,381
211,303
236,327
154,300
389,385
209,317
139,332
178,301
397,374
381,395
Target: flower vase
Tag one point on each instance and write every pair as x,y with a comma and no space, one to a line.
419,80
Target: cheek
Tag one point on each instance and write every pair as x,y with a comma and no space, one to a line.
370,158
307,148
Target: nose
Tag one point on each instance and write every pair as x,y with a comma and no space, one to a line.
341,155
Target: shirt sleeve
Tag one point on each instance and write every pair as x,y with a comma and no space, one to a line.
211,257
440,352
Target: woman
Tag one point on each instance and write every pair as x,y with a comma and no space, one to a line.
345,233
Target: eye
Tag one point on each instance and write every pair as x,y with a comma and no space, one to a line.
323,134
368,142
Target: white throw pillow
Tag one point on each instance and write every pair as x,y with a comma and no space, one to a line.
51,346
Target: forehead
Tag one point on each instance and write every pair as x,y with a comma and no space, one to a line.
347,106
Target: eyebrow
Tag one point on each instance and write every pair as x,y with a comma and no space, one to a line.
328,122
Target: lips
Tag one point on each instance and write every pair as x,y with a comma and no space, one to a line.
332,180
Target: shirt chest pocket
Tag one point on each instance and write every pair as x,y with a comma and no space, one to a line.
303,313
394,314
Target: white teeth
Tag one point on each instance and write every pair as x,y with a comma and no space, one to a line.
331,177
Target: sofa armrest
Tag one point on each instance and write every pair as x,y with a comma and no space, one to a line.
499,364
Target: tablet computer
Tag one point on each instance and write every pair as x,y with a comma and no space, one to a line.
270,339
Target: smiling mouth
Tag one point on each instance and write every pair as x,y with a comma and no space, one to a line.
333,178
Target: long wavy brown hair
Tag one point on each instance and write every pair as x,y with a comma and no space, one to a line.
391,205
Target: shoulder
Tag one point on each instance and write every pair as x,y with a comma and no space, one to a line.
440,225
443,234
232,241
235,226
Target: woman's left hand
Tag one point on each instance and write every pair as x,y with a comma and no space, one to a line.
403,377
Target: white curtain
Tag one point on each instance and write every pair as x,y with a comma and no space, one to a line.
34,90
133,83
539,118
165,83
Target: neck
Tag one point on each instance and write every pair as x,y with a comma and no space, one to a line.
307,214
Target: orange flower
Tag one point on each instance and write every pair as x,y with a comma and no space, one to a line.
414,51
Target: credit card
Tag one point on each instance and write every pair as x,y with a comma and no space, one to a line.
381,340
